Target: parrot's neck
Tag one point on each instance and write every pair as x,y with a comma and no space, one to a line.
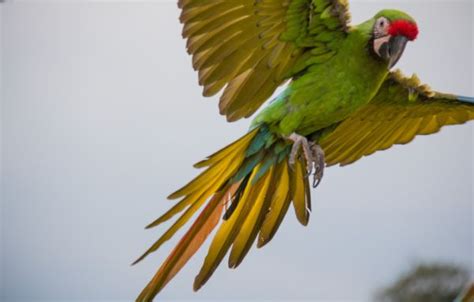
364,64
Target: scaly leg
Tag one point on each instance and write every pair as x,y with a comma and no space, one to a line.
313,154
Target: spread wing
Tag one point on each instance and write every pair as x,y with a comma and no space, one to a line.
402,109
250,47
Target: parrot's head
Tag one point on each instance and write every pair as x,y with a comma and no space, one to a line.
391,31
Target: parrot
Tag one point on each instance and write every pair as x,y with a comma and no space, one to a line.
341,101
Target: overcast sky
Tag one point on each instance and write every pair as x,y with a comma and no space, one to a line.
102,118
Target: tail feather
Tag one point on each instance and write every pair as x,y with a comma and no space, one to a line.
182,220
233,155
253,221
227,232
253,176
280,203
226,151
212,172
198,196
187,247
298,190
207,183
234,202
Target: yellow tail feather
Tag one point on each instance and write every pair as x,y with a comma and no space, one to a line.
280,202
186,248
259,194
298,191
253,221
225,236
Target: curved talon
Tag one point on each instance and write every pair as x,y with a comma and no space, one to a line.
317,178
319,163
313,154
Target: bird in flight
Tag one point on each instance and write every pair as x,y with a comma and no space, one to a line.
342,102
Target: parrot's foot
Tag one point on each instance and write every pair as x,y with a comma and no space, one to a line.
319,163
313,154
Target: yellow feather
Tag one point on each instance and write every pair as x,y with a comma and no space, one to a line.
192,197
240,144
249,230
225,236
410,132
230,159
202,180
184,218
298,193
187,247
392,117
279,205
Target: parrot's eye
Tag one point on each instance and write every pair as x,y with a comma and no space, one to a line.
381,27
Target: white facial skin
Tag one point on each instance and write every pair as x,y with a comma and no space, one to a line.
381,27
381,35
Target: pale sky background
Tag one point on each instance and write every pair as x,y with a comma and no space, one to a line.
102,118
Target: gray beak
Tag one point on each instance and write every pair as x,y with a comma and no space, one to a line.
396,47
390,48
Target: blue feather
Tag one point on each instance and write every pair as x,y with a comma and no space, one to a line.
268,162
247,167
258,142
466,99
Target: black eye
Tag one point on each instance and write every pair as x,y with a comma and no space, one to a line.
382,23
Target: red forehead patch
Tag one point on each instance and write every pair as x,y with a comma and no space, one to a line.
404,28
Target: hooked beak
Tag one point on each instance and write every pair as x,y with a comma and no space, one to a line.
397,47
391,48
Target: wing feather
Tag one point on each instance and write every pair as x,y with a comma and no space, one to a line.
402,109
248,46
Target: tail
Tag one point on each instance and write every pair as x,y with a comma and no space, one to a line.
250,185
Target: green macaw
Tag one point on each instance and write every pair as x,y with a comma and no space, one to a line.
342,103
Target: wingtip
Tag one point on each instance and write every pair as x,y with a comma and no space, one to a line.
466,99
